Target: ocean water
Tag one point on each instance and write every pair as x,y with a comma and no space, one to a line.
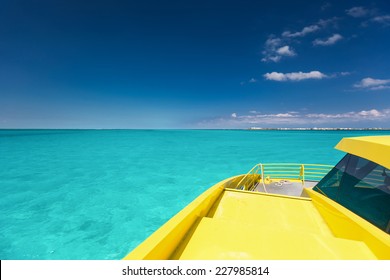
96,194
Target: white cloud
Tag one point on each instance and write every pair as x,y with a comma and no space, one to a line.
277,118
274,50
306,30
321,24
372,14
275,76
369,114
358,12
285,51
327,22
273,42
382,19
294,76
339,74
270,47
329,41
326,6
297,119
373,84
250,81
283,115
369,82
274,58
380,87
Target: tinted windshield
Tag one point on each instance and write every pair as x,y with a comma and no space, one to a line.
362,186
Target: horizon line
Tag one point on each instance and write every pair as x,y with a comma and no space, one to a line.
249,128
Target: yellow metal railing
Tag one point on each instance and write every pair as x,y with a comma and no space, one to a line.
250,180
288,171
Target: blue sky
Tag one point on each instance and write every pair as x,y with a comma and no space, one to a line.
194,64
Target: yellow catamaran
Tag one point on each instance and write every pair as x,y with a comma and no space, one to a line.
288,211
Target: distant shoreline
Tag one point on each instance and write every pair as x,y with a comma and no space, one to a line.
251,128
322,128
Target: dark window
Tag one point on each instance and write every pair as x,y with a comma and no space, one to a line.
362,186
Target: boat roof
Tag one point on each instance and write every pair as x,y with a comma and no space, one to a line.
373,148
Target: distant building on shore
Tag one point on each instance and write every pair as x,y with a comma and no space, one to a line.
316,128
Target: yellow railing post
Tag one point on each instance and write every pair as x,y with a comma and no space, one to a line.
262,173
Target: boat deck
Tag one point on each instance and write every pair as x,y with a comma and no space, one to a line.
285,187
247,226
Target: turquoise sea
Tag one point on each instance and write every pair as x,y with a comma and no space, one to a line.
96,194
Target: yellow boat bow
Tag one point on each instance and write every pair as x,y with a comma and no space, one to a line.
346,215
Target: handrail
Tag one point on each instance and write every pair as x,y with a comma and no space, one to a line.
248,182
293,171
309,172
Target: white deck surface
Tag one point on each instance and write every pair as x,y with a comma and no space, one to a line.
285,187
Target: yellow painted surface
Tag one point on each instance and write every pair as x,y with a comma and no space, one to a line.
232,224
374,148
347,225
224,239
260,226
163,242
269,211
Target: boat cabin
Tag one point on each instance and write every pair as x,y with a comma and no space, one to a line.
361,185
